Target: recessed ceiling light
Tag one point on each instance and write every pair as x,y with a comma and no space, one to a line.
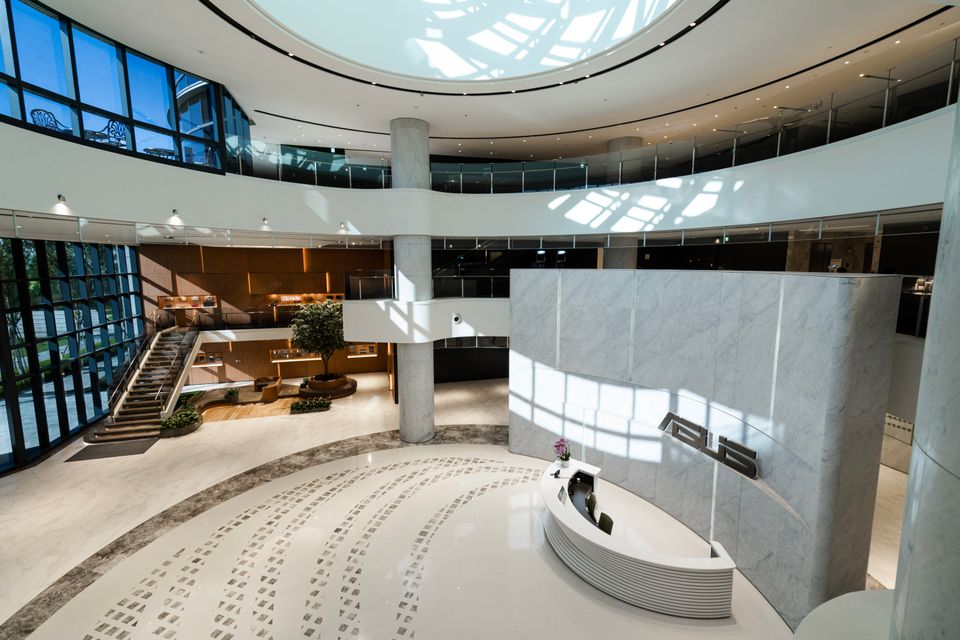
787,87
757,98
524,140
897,42
491,142
589,136
459,144
846,62
558,138
716,115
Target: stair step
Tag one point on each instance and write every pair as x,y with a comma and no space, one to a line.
135,413
140,423
130,429
103,437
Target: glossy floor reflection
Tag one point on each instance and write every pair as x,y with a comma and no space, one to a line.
429,542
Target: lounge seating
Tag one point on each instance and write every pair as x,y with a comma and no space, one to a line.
260,383
272,391
592,506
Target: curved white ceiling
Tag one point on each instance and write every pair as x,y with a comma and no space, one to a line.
464,40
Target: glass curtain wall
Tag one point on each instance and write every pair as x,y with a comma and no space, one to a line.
71,320
66,80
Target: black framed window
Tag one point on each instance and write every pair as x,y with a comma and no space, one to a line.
100,72
43,48
6,47
70,323
150,94
63,79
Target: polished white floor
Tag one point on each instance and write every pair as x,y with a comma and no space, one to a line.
887,525
56,514
427,542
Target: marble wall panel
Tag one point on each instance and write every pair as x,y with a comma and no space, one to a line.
675,333
793,366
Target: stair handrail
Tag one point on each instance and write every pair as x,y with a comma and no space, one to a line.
149,332
183,347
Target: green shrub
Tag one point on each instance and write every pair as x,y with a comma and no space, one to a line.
232,393
309,405
182,418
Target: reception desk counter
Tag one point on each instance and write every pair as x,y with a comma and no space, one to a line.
685,586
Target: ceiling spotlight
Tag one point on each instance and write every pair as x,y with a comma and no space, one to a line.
662,44
291,55
587,76
693,24
513,90
343,225
264,221
61,198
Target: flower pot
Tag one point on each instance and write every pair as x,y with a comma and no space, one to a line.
336,381
564,463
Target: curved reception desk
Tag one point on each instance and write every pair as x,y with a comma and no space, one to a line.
685,586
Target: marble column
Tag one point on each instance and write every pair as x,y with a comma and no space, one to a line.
410,166
798,252
928,574
616,147
410,153
621,254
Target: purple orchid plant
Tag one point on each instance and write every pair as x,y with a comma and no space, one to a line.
561,449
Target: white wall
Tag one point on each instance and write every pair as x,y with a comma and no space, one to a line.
904,165
419,322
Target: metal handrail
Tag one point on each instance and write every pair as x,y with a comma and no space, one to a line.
180,358
134,365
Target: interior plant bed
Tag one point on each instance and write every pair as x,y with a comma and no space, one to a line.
311,405
333,386
184,420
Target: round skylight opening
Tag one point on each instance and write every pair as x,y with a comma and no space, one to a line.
464,40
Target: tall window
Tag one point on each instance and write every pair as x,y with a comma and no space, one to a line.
100,72
150,92
70,323
6,47
43,45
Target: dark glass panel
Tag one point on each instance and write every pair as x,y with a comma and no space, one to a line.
195,105
9,104
6,260
99,72
107,131
156,144
201,153
50,114
6,66
43,47
28,418
150,92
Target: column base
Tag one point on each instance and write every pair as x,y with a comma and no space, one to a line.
861,615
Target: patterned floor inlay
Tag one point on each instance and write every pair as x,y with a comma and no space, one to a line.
44,605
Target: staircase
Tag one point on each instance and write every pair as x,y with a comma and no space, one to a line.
140,411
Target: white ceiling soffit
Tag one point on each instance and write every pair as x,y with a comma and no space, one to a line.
741,46
464,40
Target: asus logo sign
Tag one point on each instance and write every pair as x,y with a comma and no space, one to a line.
730,453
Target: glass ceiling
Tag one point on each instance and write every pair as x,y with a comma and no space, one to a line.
464,39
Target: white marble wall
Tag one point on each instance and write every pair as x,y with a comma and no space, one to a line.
928,573
795,366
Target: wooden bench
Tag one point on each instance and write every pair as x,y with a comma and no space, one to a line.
272,391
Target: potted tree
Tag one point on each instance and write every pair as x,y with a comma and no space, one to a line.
318,328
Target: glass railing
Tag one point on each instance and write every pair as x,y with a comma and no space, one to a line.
871,102
497,286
